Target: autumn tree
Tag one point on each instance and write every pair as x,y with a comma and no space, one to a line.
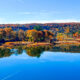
21,35
14,35
40,36
2,33
67,30
61,36
32,35
8,33
48,35
75,34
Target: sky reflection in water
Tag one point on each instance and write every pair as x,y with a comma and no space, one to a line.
49,66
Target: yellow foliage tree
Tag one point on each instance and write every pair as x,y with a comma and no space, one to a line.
61,36
32,35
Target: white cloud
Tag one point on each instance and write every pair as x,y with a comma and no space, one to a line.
5,21
25,13
2,20
40,13
66,20
45,21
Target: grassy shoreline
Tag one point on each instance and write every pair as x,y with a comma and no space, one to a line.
22,43
33,44
68,42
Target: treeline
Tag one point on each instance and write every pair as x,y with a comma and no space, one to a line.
34,35
48,26
60,27
61,31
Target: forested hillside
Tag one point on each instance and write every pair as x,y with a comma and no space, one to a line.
61,31
73,27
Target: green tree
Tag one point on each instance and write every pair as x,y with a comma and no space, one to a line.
38,28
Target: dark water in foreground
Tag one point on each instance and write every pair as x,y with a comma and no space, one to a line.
48,65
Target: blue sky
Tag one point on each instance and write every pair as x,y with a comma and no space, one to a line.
28,11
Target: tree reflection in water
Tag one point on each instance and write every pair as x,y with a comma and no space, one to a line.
5,52
67,48
36,51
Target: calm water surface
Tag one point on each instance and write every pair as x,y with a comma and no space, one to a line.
49,66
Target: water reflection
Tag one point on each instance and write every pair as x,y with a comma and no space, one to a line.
38,50
35,51
67,48
4,52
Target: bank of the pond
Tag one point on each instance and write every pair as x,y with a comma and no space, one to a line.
67,42
28,44
23,43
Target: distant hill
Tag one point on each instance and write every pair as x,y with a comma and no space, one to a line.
61,27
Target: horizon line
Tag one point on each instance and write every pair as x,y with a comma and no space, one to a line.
41,23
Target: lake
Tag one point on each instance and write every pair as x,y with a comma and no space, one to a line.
46,65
